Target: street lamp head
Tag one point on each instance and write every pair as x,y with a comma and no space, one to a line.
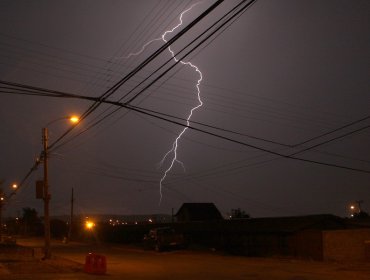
74,119
14,186
89,225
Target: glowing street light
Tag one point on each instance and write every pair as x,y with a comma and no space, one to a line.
74,119
89,225
14,186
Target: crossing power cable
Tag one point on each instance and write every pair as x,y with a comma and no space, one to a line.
117,85
110,91
235,8
51,93
289,156
34,167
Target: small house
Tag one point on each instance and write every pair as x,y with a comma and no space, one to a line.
190,212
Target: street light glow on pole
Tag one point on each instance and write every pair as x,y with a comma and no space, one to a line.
74,119
46,193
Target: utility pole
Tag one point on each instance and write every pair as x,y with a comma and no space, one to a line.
47,251
71,218
46,194
1,213
359,202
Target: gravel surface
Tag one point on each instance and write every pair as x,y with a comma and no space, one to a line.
22,260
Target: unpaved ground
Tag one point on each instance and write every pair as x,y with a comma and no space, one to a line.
124,262
22,261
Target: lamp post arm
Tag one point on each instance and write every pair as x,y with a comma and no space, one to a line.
56,120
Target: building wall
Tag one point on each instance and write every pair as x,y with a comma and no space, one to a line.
339,245
306,244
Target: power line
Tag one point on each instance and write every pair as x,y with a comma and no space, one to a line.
116,67
51,93
246,6
291,156
247,144
117,85
332,131
99,100
173,39
194,48
92,66
109,92
162,116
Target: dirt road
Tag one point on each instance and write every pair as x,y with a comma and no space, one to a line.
127,262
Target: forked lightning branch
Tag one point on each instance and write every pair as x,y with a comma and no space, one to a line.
172,153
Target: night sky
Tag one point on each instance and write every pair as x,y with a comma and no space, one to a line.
285,72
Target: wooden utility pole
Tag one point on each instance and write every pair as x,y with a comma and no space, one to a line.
47,252
71,218
1,213
359,202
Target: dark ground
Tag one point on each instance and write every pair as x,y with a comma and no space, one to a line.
129,262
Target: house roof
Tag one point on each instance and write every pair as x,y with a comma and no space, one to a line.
290,224
199,212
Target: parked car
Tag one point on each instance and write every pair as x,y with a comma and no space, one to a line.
163,238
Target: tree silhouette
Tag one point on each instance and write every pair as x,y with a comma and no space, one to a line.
239,214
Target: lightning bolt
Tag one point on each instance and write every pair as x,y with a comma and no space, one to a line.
142,48
173,151
175,145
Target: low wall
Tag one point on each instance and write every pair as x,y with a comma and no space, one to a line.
342,245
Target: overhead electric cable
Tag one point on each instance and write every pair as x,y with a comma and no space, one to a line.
237,141
190,51
171,59
52,93
331,140
248,145
117,85
244,8
34,167
332,131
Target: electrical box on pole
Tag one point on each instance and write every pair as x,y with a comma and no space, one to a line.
40,189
